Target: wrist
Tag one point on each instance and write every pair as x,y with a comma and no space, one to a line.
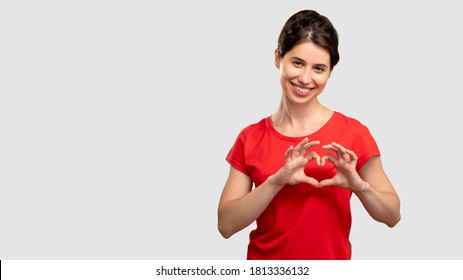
275,183
362,188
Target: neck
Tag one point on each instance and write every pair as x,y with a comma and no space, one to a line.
300,119
298,113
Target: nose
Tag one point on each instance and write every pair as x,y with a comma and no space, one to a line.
305,76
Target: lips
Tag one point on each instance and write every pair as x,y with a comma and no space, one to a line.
302,91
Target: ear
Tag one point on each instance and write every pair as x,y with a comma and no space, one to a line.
277,59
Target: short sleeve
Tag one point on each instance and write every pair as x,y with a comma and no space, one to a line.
236,156
364,145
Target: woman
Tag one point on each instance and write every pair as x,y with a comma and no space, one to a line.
305,160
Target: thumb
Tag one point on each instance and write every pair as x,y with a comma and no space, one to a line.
325,183
311,181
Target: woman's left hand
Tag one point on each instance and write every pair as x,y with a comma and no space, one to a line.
346,176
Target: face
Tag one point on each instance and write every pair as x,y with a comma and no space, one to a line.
304,71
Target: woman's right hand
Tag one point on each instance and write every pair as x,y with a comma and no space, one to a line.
296,159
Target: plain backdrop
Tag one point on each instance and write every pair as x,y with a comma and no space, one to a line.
116,117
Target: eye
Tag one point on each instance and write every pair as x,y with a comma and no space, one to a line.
319,69
297,64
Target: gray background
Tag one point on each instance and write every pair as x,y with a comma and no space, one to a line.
116,117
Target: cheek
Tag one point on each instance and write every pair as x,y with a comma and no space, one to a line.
321,80
289,72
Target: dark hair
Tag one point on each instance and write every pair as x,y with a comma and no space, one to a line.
308,25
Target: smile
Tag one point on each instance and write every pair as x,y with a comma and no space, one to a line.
302,90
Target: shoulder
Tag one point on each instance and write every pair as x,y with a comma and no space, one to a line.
255,129
351,126
347,119
248,138
362,141
349,122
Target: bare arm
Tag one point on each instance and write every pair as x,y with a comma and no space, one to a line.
371,184
379,197
239,206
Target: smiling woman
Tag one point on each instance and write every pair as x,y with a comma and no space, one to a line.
304,71
302,188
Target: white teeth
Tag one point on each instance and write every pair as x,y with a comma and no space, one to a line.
301,89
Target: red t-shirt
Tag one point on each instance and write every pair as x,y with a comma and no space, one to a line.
301,222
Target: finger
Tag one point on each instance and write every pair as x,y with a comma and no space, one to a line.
340,151
314,155
340,147
311,144
327,147
288,153
323,160
299,149
346,157
346,153
333,148
326,183
353,155
311,181
331,158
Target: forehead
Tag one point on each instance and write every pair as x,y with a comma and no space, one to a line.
309,52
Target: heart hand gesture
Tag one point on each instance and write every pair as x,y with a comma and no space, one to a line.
346,176
296,159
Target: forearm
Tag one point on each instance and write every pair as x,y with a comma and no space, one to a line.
237,214
382,206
